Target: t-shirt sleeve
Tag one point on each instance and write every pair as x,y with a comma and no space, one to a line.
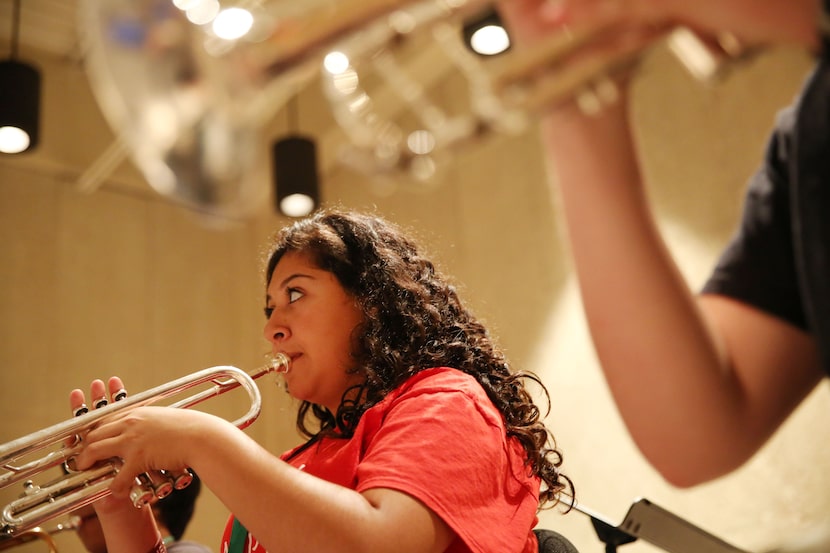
448,449
758,266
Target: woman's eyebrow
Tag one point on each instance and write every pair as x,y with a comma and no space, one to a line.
291,277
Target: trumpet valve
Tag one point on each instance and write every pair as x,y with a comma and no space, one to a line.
142,495
182,479
151,486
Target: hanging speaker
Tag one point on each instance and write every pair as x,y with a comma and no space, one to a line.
295,176
19,107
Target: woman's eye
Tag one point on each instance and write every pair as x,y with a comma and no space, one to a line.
294,295
268,312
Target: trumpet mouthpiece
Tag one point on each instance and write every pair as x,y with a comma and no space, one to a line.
280,363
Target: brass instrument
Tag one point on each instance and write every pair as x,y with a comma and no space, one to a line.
194,108
505,91
76,489
38,533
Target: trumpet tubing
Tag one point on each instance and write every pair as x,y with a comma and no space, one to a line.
38,504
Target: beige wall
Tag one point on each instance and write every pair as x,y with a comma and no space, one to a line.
122,282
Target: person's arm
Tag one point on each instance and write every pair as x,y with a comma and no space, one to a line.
286,509
700,384
127,528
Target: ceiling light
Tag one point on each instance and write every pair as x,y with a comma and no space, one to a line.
485,34
233,23
336,62
203,13
19,99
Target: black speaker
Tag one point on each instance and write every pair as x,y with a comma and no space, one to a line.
295,176
20,99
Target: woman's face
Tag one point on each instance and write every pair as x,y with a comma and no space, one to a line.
311,319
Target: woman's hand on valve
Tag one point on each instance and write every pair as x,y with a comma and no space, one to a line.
145,439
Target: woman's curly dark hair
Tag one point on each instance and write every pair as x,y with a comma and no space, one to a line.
413,320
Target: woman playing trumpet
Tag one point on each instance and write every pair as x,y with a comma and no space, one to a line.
420,436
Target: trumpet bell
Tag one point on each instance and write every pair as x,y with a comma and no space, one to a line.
188,106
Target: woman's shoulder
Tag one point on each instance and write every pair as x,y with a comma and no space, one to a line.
438,379
440,385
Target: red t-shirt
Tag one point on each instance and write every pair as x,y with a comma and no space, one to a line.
439,439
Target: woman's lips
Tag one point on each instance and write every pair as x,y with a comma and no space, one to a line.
285,369
279,363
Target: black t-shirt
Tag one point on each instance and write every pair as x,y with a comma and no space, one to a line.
758,266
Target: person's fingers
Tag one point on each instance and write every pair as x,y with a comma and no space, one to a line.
573,11
77,402
123,482
523,21
98,394
99,398
78,407
100,443
116,388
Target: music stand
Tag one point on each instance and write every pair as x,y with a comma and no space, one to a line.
657,526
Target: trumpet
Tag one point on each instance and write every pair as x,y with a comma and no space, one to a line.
380,94
401,57
76,489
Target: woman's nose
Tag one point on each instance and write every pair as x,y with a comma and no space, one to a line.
274,330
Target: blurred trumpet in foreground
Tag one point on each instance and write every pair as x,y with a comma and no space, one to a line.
382,100
544,75
193,104
75,489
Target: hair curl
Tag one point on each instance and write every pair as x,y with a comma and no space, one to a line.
413,320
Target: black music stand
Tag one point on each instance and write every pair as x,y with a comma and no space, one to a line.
657,526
